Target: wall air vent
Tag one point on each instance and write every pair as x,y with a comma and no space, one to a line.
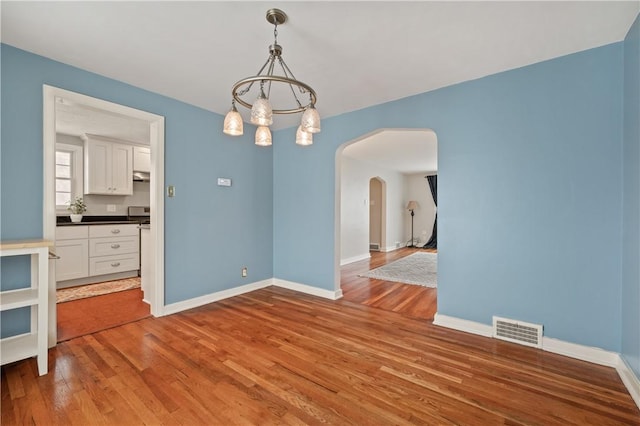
517,332
374,247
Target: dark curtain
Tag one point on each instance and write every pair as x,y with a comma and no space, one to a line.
433,186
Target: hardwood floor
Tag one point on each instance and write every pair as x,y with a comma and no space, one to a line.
275,356
411,300
86,316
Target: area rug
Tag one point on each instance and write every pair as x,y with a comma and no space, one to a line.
90,290
418,268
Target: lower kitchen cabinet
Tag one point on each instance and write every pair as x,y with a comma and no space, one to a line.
90,253
72,246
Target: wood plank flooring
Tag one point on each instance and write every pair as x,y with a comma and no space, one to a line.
92,314
410,300
275,356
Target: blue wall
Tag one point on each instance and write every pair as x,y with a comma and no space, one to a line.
211,231
530,194
631,201
530,197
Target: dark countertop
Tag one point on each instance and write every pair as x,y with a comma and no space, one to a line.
96,220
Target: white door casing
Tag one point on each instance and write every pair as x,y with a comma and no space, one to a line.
156,130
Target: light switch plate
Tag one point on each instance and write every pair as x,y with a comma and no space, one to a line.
224,182
171,191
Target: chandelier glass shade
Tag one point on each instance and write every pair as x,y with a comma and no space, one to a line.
233,124
276,94
261,112
311,120
263,136
303,138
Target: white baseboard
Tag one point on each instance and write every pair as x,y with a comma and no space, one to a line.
389,248
214,297
174,308
303,288
354,259
463,325
630,380
584,353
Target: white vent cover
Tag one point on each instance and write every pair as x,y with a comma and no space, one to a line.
517,332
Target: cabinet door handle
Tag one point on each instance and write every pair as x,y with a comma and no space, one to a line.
115,264
115,231
115,246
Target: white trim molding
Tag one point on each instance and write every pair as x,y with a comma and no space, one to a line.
156,196
463,325
585,353
303,288
355,259
174,308
630,380
572,350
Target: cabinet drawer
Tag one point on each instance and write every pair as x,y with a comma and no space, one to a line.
113,245
72,232
98,231
113,264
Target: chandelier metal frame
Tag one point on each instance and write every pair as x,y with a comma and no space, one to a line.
242,87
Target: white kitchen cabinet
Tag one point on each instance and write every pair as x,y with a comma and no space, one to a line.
108,166
141,159
72,246
90,253
36,297
113,249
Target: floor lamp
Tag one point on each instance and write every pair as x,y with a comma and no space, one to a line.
411,207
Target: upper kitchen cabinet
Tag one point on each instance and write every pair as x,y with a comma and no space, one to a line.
108,166
141,159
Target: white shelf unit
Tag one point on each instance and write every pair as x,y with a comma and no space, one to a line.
34,343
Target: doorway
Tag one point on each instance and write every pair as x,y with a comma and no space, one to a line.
377,209
389,163
155,128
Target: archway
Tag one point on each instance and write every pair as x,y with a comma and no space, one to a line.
403,148
377,213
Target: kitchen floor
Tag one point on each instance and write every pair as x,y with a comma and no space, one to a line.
85,316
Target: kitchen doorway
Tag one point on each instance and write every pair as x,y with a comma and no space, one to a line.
52,95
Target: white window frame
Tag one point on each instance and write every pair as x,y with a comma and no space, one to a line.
77,178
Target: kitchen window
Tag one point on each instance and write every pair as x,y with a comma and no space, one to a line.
68,174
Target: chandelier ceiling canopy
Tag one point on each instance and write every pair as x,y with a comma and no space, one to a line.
273,90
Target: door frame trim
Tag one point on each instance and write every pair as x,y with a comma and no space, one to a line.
157,143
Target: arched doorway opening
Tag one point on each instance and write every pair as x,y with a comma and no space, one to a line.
377,214
392,163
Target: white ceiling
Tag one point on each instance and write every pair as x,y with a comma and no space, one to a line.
354,54
75,119
407,151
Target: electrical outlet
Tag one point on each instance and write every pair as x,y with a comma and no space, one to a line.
111,208
171,191
244,272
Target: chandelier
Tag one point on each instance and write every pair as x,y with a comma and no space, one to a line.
270,93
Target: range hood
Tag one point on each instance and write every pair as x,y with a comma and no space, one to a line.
141,176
